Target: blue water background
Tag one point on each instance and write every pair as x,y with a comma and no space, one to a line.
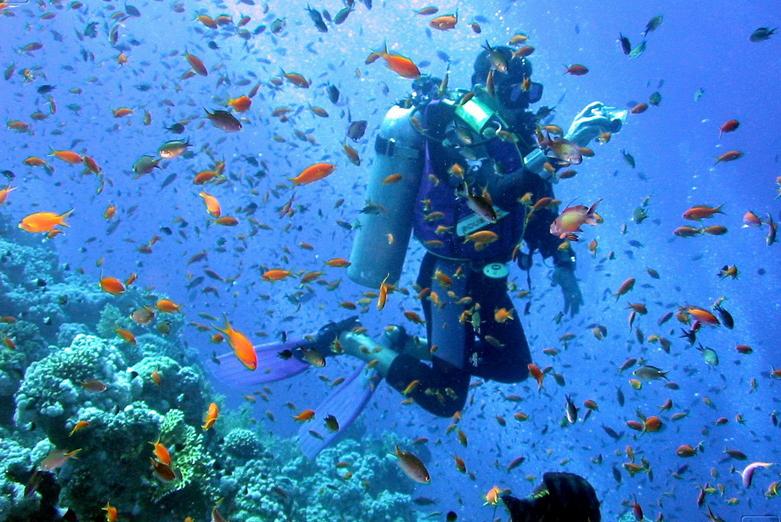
699,46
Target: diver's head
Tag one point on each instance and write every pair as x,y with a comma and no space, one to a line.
509,84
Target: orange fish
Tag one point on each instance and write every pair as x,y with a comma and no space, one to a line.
296,79
168,306
161,452
730,155
111,285
68,156
94,385
275,274
227,221
4,193
699,212
502,315
538,375
57,458
121,112
492,497
652,424
305,416
576,69
112,513
414,317
80,425
571,219
399,64
625,287
196,64
702,315
444,22
751,219
34,161
212,204
110,212
391,178
44,222
241,345
338,262
313,173
205,176
207,20
211,416
240,104
728,126
127,335
383,294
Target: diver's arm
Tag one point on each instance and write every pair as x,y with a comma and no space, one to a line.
594,119
538,236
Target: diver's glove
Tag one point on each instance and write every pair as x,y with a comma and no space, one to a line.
564,276
594,119
323,340
563,496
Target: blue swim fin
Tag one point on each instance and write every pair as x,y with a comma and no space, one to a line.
272,365
279,360
345,404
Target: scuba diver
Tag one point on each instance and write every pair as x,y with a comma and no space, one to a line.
466,168
562,497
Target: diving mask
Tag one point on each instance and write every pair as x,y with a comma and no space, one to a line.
480,115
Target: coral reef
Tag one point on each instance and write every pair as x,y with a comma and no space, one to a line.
69,382
279,484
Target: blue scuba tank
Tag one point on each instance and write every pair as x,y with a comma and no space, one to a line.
382,237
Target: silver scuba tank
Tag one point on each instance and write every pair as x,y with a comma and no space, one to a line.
382,235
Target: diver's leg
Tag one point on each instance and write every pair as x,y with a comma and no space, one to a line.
502,352
440,389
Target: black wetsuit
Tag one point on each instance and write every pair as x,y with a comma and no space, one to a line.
443,388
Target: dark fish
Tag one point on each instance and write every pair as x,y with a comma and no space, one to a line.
132,10
762,34
655,99
626,45
317,18
168,180
332,424
45,89
628,158
356,130
613,434
9,71
223,120
620,396
653,24
333,93
544,111
637,51
176,128
214,275
725,316
91,31
195,282
342,15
